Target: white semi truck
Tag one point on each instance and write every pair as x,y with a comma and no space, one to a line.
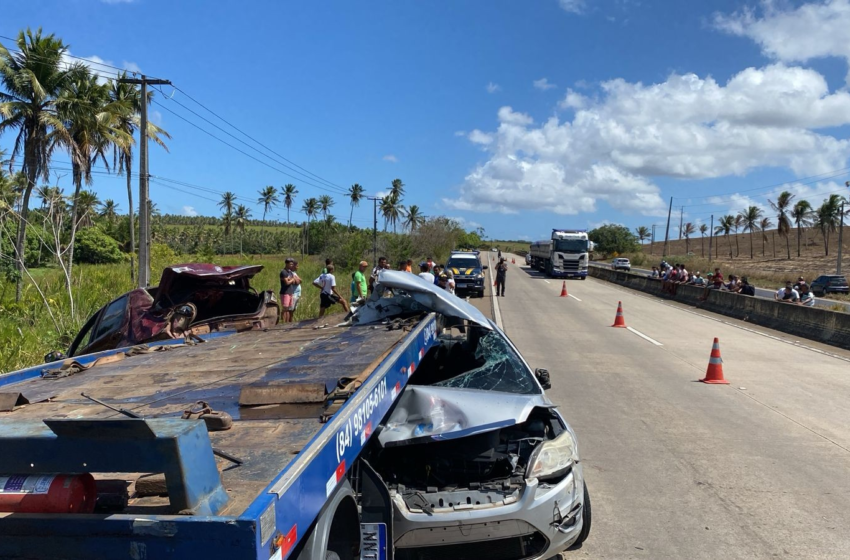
565,255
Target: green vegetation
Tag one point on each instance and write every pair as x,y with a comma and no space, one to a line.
613,238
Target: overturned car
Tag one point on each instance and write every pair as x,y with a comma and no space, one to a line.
191,299
476,459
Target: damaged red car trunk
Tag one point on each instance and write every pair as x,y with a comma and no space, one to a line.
191,299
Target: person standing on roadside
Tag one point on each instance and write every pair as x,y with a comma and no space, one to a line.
501,274
382,265
289,283
408,266
329,296
425,272
358,282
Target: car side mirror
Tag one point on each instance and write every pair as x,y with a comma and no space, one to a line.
542,376
485,267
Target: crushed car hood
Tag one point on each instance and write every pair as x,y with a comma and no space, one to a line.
176,276
411,294
440,413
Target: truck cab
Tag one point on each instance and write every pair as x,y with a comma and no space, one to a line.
565,255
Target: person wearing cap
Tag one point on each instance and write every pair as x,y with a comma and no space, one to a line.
358,282
290,285
425,272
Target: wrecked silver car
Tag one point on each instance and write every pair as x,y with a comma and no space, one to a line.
477,460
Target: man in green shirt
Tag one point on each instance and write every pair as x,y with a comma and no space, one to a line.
358,282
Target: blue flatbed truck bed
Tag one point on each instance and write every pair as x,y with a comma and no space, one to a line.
251,492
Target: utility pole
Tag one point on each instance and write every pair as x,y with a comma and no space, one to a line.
144,205
840,241
375,200
652,241
710,237
667,231
681,218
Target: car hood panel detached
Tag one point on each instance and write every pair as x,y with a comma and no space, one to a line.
442,413
203,272
412,294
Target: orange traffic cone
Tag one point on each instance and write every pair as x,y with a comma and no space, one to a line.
619,320
714,373
564,289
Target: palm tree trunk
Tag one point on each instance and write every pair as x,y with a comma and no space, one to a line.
350,216
702,246
737,247
825,242
22,225
798,239
773,242
263,231
788,246
751,244
128,159
731,257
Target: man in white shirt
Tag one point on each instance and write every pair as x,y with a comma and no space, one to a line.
787,294
425,273
329,296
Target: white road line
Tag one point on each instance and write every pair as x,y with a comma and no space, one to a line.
548,282
572,296
643,336
497,314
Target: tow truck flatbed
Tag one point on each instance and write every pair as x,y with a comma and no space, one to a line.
278,464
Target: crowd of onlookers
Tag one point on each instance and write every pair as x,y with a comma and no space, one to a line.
672,276
361,285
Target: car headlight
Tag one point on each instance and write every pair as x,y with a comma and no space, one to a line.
480,275
553,458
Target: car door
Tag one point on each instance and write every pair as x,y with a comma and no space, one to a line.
109,327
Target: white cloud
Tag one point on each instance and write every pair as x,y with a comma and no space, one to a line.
813,30
572,6
478,137
460,133
465,223
543,84
155,117
573,100
382,194
391,158
493,88
99,66
686,127
189,211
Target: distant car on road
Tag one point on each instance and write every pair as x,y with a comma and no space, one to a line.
830,284
468,272
191,299
621,264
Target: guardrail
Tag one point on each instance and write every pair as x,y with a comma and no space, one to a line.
821,325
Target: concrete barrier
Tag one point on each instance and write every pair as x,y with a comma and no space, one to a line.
821,325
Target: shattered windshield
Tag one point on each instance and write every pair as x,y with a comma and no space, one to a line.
500,369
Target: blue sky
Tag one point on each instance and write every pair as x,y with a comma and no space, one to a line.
517,116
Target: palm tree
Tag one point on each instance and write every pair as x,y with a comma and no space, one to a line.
87,203
32,80
391,210
226,204
268,198
764,225
414,218
310,209
783,223
688,230
725,226
243,214
642,233
109,210
355,194
739,221
289,191
89,115
801,213
325,203
827,218
128,121
750,218
703,228
397,190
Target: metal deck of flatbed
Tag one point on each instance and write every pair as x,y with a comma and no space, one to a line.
164,384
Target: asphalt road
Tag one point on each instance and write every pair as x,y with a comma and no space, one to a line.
760,292
679,469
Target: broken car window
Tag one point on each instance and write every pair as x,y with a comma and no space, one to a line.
499,369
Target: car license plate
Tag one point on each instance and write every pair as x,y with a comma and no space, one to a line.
373,541
461,285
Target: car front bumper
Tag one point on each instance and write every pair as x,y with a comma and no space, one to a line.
541,521
473,284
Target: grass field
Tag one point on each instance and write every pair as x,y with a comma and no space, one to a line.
33,327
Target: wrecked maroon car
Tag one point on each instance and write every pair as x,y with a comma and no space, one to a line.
191,299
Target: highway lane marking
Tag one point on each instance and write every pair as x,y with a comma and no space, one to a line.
778,339
572,296
643,336
548,282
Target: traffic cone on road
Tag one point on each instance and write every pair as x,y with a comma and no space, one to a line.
714,373
564,289
619,320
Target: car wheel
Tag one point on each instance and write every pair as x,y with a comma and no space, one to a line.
584,277
586,518
331,555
